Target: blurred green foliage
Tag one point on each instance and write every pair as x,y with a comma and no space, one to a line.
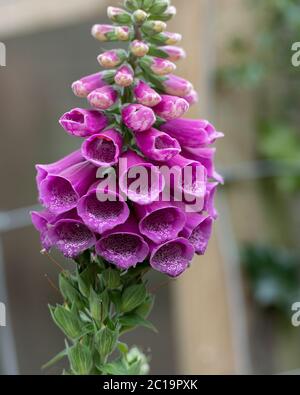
273,275
263,63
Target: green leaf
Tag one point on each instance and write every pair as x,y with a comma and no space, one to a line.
133,297
106,341
116,298
95,304
145,309
116,368
55,359
133,320
67,321
112,278
80,359
67,288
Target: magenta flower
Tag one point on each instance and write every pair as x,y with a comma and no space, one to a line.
206,157
145,95
123,246
191,179
137,117
57,167
102,210
139,180
171,107
61,192
124,76
174,53
103,149
160,221
192,132
156,145
173,257
209,205
41,221
86,85
103,98
71,236
198,230
177,86
83,123
112,58
192,97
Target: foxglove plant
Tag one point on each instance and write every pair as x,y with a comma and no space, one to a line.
95,213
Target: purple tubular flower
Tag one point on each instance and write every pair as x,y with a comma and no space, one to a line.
192,133
205,156
209,206
123,246
61,192
173,257
192,179
192,97
86,85
102,210
71,236
137,117
174,53
160,221
83,123
177,86
41,221
103,98
171,107
111,33
198,230
103,149
146,95
57,167
157,146
140,181
124,76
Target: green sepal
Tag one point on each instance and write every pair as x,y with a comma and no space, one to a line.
133,297
81,359
157,52
67,321
106,341
133,320
159,7
111,278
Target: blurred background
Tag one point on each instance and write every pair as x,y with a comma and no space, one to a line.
232,312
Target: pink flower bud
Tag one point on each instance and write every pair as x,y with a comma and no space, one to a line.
167,38
139,48
171,107
124,76
192,97
83,123
118,15
111,33
137,117
86,85
146,95
112,58
177,86
174,53
158,66
103,98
